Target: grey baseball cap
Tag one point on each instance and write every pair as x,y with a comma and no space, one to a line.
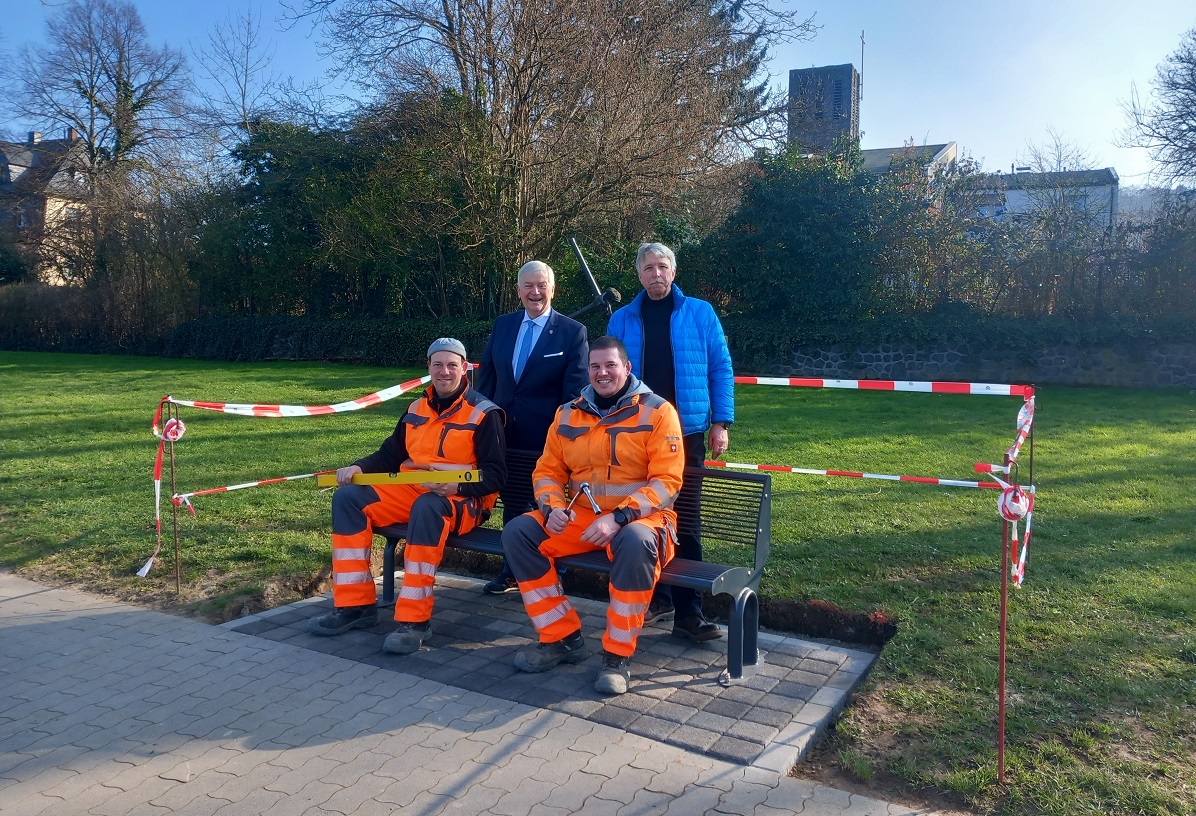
447,344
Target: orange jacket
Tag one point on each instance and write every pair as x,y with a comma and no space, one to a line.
632,457
446,441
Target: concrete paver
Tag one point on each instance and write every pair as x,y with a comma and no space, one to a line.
135,712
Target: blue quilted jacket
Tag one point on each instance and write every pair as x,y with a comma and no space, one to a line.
705,382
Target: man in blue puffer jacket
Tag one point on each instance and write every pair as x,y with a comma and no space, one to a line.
690,366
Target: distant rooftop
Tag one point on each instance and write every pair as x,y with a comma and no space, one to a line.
878,160
1104,177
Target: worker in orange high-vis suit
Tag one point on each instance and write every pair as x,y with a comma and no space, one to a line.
450,427
622,443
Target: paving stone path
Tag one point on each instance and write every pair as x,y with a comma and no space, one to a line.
113,710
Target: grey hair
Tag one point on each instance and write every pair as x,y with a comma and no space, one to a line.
655,249
537,266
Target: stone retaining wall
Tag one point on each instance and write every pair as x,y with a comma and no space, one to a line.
1148,365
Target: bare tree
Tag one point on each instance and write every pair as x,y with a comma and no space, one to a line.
592,108
235,85
98,75
1063,212
1167,124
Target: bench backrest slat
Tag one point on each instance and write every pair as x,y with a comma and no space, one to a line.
734,506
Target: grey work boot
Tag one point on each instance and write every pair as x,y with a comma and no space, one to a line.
407,638
342,619
615,676
543,656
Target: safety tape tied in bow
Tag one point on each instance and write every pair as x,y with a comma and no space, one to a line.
1013,505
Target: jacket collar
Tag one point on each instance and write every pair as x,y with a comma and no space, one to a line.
637,304
586,400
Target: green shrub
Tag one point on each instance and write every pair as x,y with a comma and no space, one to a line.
382,341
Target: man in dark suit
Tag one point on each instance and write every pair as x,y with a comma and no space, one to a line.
535,361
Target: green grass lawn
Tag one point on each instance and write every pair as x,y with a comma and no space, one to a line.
1102,648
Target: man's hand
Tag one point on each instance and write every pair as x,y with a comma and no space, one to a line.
345,475
558,520
720,440
445,489
601,530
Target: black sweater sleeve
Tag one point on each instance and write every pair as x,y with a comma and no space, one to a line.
490,445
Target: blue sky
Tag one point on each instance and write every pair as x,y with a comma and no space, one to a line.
992,77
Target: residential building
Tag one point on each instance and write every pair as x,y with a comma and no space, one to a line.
934,158
43,189
1093,193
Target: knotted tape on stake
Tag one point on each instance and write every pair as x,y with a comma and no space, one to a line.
1013,505
171,432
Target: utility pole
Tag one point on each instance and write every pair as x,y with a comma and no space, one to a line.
861,88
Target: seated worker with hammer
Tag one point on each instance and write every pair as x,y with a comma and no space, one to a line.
620,445
450,427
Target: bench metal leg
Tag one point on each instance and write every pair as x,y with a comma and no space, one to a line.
388,571
743,633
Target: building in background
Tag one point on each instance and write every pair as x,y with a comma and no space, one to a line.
824,105
1091,194
43,192
934,158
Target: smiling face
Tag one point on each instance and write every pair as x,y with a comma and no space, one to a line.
536,289
656,275
608,372
447,370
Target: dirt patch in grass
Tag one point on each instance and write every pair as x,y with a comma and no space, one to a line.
212,598
825,762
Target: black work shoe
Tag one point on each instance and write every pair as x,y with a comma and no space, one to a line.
615,676
544,656
342,619
407,638
659,612
697,629
501,585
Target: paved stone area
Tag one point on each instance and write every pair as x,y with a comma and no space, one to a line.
675,696
110,710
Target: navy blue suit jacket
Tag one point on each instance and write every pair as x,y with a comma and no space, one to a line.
556,371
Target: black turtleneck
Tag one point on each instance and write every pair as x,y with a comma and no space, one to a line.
658,373
439,403
606,403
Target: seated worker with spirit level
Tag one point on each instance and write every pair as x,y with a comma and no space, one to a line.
451,427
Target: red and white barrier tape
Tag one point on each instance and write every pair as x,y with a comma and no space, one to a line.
714,463
989,389
174,429
1013,505
181,499
1025,421
266,410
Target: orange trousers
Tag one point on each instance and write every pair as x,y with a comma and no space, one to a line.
358,509
637,554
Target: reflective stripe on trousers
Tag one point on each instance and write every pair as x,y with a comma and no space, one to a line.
358,509
636,563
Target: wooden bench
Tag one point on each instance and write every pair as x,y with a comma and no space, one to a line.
733,509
